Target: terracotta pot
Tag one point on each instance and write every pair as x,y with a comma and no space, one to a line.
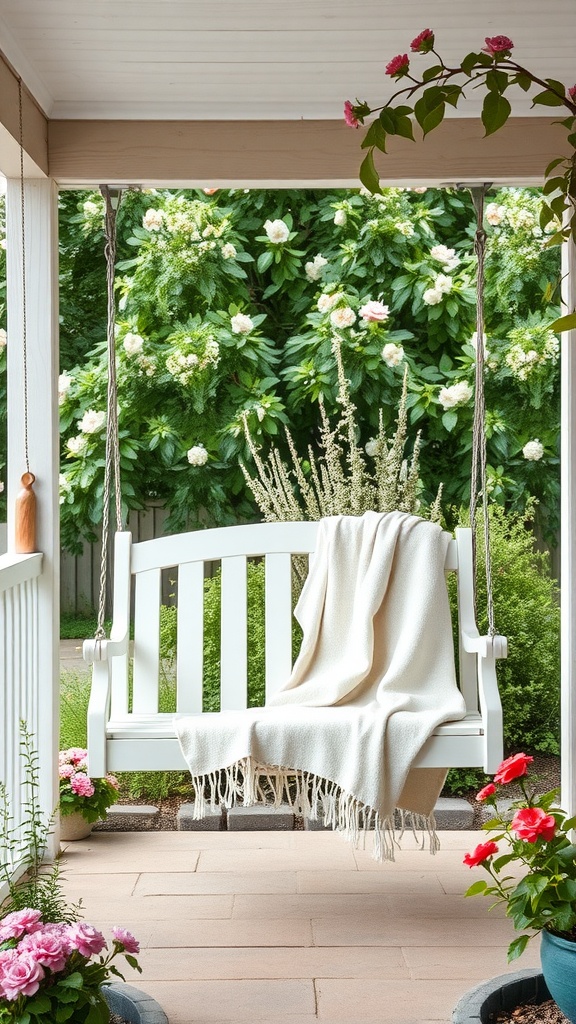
558,958
74,826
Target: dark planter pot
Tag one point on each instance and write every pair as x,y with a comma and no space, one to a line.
132,1004
505,992
558,958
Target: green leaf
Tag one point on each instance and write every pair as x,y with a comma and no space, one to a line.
375,136
497,81
564,323
388,121
369,175
523,80
469,62
404,128
434,72
547,98
556,86
553,164
477,887
517,947
554,185
450,419
495,112
433,119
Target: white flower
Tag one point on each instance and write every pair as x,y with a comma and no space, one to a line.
314,268
197,455
327,302
371,447
444,255
392,354
241,324
91,209
521,219
228,251
212,349
495,214
153,220
344,316
456,394
374,311
76,445
260,412
2,243
533,450
404,228
3,338
340,218
443,284
421,189
92,422
1,487
132,344
146,365
64,382
432,296
277,231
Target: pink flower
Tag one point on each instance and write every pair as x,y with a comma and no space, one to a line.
480,854
488,790
209,191
75,754
512,768
398,66
112,781
46,947
375,311
572,93
66,771
126,939
18,922
423,42
498,46
21,976
349,116
530,823
81,785
85,938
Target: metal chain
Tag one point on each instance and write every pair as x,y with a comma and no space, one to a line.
112,463
23,234
478,477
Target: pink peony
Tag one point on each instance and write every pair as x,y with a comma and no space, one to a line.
398,66
488,790
21,976
423,42
349,115
47,947
374,311
126,939
85,938
498,46
18,922
81,784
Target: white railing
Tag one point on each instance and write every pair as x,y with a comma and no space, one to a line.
19,670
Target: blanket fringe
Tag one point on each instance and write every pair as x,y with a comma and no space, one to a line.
246,783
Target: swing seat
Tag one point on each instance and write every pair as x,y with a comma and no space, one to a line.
126,730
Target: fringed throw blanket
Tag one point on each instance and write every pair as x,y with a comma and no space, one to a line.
374,678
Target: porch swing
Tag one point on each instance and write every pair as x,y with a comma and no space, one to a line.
126,729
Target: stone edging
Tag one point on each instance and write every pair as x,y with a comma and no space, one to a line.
134,1005
505,992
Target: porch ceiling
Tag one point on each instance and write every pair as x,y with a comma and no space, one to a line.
256,59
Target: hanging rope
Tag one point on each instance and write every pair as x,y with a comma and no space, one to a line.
478,488
23,233
112,464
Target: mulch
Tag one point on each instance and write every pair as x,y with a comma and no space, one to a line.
530,1013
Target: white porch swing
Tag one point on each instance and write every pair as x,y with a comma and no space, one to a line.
126,730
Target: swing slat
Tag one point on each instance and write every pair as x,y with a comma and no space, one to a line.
190,646
278,621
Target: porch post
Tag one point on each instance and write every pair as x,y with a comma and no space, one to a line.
41,229
568,537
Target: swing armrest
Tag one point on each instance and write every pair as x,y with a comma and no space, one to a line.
485,646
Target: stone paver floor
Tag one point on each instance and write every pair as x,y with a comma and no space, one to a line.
293,927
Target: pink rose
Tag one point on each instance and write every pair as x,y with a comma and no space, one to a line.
81,784
488,790
398,66
480,854
530,823
375,311
48,948
349,116
498,46
85,938
512,768
126,939
423,42
19,921
112,781
21,976
572,93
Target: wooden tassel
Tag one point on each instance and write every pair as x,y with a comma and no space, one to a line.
25,524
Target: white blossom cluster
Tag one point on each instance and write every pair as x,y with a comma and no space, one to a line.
197,455
153,220
441,287
241,323
277,231
184,365
133,344
447,257
343,316
405,228
327,301
92,422
228,251
313,269
455,395
340,218
522,361
64,383
392,354
533,450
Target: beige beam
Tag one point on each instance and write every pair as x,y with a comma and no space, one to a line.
34,128
210,153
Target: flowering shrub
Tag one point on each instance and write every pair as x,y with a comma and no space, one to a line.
536,834
78,792
49,971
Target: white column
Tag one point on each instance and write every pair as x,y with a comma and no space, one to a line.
41,260
568,537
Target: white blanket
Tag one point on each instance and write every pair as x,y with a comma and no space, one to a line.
374,677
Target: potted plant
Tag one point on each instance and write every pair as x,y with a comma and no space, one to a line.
532,833
82,800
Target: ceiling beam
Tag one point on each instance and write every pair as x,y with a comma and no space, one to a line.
286,153
34,128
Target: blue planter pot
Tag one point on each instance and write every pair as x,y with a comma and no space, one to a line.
558,958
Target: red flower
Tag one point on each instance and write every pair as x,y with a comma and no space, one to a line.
480,854
209,191
398,66
498,46
423,42
512,768
532,822
486,792
349,115
572,93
